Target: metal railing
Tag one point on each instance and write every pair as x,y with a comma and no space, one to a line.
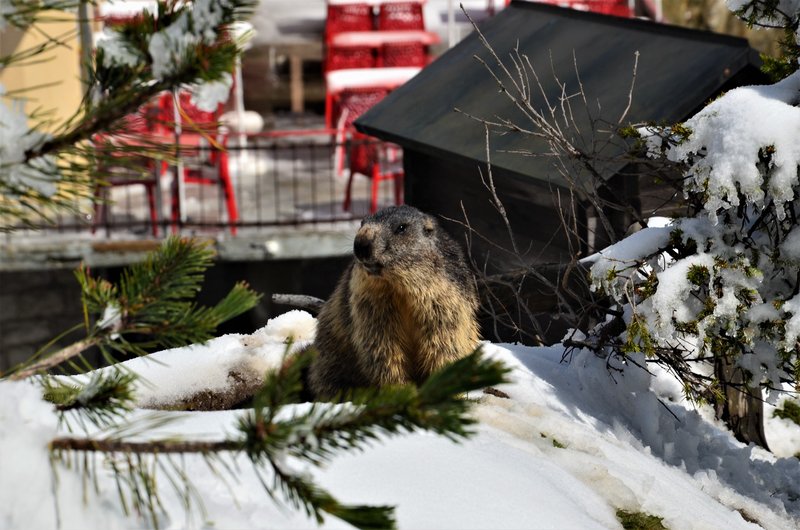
280,178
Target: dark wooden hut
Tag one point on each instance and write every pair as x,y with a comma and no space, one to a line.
678,71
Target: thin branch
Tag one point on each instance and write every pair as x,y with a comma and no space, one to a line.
630,90
152,447
313,304
57,358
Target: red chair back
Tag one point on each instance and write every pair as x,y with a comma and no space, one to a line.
357,101
618,8
340,57
348,17
401,15
611,7
404,54
136,123
191,117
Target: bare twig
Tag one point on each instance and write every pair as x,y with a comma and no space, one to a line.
313,304
107,445
55,359
630,91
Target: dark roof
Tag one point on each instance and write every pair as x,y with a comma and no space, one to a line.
678,71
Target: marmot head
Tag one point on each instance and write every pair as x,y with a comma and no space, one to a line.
395,239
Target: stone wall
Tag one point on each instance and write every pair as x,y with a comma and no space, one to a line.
35,306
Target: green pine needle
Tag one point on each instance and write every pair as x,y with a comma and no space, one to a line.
304,494
154,299
103,400
284,385
321,430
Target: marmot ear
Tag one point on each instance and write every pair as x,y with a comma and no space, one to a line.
428,225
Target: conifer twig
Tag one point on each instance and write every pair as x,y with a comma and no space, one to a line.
157,446
303,301
55,359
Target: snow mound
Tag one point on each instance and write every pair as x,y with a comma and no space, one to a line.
223,369
293,326
572,444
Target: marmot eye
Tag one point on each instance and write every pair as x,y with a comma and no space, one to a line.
400,229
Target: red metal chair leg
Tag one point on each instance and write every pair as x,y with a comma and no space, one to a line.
348,193
376,183
151,201
227,188
398,188
100,207
175,202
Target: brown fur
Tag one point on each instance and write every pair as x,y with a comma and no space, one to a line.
404,308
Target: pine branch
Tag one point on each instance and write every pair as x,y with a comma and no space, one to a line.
312,436
153,298
128,88
109,445
317,434
301,492
55,359
66,160
436,406
151,306
104,399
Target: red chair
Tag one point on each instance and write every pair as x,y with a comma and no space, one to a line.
192,119
349,104
611,7
376,160
404,54
207,166
356,101
401,16
355,16
131,170
203,153
341,57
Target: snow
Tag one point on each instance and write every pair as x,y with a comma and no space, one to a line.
785,11
127,8
161,385
116,50
16,138
27,424
168,46
110,319
572,444
208,96
731,131
612,266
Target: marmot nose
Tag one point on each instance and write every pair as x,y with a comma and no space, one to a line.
362,248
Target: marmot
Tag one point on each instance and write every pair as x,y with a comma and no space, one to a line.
404,307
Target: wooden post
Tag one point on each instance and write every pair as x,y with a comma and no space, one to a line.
296,83
740,406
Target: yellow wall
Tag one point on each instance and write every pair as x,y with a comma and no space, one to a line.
60,65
